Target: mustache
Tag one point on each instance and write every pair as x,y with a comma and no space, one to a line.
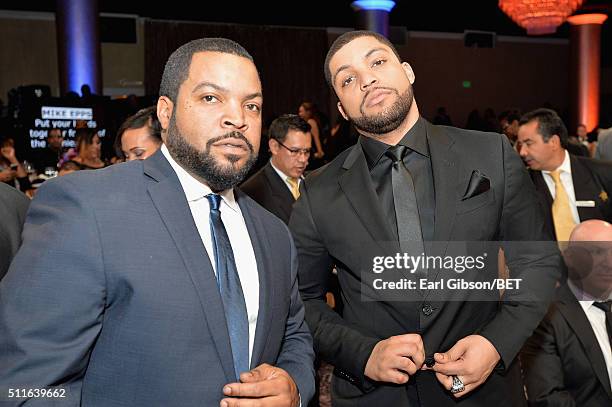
372,90
232,134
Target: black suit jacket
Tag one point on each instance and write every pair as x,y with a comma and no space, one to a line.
562,362
270,191
338,216
592,182
13,208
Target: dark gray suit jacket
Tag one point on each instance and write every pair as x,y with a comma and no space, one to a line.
113,296
13,208
562,361
339,216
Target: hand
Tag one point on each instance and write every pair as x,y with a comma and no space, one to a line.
263,386
395,359
7,175
472,359
8,152
319,154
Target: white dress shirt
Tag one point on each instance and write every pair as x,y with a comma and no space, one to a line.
566,179
284,177
238,234
597,319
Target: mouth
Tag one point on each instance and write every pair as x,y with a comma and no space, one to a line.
232,145
376,96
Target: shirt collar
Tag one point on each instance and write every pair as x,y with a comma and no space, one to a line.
565,166
415,139
194,189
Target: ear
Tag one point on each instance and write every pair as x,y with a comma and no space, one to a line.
556,140
165,106
341,110
409,72
273,146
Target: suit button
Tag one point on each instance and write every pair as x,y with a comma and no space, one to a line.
430,361
427,310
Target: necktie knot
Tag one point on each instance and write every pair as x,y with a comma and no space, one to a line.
603,305
396,153
295,189
214,200
556,176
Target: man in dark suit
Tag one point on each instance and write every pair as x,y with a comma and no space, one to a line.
407,182
155,283
584,184
276,185
568,360
13,206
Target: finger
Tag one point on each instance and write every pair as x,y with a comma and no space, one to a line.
468,389
263,388
396,376
451,368
405,364
453,353
231,402
445,381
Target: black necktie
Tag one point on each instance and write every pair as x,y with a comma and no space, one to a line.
605,306
405,203
230,288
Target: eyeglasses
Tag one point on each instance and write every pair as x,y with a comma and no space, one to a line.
296,151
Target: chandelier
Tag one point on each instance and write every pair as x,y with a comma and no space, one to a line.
539,17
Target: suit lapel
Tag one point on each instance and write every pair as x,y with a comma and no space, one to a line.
573,313
585,189
169,199
447,186
261,246
356,185
279,190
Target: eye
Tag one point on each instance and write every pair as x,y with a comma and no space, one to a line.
347,81
379,62
253,107
210,99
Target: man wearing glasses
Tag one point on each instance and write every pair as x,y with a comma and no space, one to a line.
276,185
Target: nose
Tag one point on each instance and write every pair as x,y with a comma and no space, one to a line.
522,150
367,80
234,117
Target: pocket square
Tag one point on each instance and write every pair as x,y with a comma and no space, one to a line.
479,183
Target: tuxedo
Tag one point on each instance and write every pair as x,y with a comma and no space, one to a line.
562,362
481,193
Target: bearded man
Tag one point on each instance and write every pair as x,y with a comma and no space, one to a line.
404,185
155,282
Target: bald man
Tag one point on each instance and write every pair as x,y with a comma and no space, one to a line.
568,361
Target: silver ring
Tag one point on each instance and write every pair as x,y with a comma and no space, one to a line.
457,386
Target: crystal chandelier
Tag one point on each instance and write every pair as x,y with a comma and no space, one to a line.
539,17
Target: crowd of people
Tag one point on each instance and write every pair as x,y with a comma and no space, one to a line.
176,279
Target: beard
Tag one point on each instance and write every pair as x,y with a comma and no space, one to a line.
204,165
387,120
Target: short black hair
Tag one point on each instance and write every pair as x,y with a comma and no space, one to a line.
282,124
549,124
347,37
177,66
143,117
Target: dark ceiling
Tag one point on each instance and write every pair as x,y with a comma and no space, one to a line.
428,15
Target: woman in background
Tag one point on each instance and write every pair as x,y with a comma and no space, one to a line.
88,150
308,112
139,137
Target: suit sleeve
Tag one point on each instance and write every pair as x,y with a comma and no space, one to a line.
53,296
543,370
335,340
297,355
531,255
